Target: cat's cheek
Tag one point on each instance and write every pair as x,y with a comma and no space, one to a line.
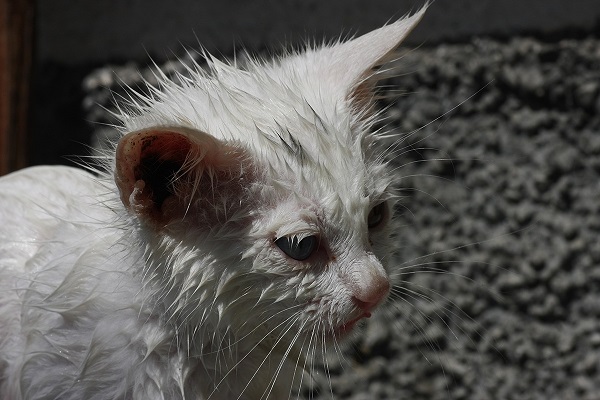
334,315
269,260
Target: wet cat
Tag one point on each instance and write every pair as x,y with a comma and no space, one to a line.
244,226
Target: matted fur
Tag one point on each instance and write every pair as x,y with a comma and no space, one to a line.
164,280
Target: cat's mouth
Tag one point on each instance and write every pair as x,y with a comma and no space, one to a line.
347,327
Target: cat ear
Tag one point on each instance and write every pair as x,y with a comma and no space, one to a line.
160,170
352,62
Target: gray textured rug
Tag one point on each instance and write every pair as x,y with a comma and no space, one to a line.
499,237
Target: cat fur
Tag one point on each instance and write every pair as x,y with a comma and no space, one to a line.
161,279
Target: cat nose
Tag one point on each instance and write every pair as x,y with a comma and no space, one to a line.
370,297
371,284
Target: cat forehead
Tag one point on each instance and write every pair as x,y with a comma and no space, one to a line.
285,112
313,215
339,185
260,101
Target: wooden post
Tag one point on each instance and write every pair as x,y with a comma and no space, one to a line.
16,51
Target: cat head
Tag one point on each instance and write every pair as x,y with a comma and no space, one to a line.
264,188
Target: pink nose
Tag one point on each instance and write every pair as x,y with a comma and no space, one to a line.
368,282
369,297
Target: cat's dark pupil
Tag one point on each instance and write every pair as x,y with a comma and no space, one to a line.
297,249
376,215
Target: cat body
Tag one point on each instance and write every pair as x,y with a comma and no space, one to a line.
241,231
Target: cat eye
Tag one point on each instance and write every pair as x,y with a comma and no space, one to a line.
299,250
376,215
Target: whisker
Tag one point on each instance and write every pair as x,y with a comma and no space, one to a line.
289,321
284,359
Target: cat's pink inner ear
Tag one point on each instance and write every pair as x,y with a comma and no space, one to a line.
158,169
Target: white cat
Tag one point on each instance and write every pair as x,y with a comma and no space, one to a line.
243,230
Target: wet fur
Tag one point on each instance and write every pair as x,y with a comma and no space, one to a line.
162,279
